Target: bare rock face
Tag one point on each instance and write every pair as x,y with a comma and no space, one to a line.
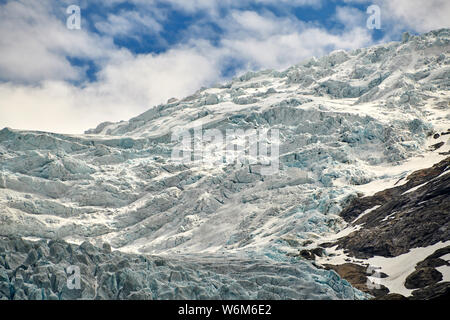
427,279
435,260
357,276
391,296
409,216
412,215
438,291
423,277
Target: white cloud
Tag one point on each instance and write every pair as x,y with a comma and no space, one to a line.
251,23
417,15
267,41
351,17
129,84
124,90
411,15
37,95
35,44
128,22
213,7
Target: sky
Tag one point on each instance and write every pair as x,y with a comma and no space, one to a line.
128,56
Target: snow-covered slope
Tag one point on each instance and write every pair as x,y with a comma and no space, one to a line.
349,122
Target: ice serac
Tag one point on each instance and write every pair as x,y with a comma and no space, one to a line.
39,270
349,122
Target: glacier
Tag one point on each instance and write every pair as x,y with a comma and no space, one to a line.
343,119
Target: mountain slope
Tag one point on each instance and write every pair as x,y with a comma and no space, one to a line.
349,122
401,233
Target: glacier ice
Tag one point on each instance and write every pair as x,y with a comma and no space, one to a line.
341,118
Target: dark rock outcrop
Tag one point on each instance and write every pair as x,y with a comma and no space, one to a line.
391,296
357,276
423,277
311,254
438,291
415,214
411,215
427,280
